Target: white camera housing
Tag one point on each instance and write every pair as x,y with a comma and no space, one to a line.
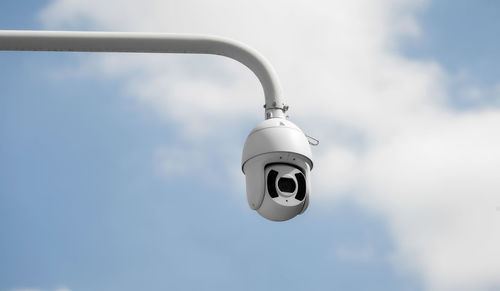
277,162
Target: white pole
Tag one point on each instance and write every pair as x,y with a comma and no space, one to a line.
83,41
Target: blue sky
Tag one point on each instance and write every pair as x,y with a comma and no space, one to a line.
86,205
461,35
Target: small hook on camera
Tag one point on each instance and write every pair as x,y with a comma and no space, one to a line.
312,141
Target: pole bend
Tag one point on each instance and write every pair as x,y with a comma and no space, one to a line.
86,41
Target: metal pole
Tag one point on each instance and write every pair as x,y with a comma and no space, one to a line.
83,41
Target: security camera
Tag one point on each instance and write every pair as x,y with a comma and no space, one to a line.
277,156
277,162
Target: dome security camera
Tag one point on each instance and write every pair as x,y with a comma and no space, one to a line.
277,156
277,162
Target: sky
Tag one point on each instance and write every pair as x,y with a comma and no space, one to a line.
122,171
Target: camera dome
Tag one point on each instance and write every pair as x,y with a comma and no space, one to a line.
276,135
277,161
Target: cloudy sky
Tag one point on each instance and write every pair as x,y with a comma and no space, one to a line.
122,171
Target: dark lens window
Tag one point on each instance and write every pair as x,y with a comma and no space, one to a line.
286,185
301,192
271,182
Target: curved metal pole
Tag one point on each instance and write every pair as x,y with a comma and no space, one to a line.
83,41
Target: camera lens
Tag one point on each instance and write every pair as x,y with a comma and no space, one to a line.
286,185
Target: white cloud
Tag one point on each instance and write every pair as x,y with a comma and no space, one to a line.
389,137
